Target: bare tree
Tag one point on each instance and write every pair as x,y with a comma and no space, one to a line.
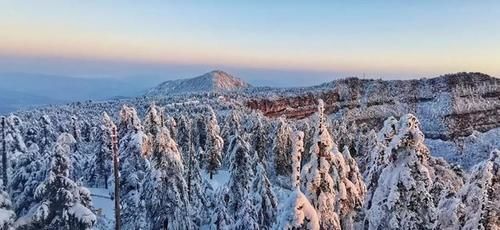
117,177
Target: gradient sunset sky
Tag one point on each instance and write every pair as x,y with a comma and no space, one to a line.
309,40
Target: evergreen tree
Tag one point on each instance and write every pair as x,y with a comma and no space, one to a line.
318,184
220,218
297,212
62,204
214,144
402,178
351,188
231,128
477,204
259,138
152,122
29,173
104,159
169,122
12,145
264,200
184,136
281,148
246,217
200,132
7,216
165,190
196,194
46,135
241,175
133,167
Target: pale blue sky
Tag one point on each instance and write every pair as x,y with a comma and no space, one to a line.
311,40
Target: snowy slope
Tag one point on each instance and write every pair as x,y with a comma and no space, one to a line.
215,81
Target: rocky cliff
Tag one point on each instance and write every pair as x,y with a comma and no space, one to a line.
448,106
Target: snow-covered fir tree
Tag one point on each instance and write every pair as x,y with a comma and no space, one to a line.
240,180
133,167
214,144
152,122
317,183
402,177
165,190
297,212
61,203
231,128
46,135
184,136
104,158
7,215
197,197
30,171
169,122
264,199
12,144
350,186
259,139
220,217
281,148
246,217
477,204
200,132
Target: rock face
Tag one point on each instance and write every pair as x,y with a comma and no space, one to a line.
215,81
449,106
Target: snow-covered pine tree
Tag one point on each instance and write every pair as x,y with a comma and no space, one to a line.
259,138
184,136
200,132
281,148
7,215
477,204
13,145
169,122
75,129
232,127
220,218
165,190
350,186
214,144
46,135
263,199
317,183
196,195
133,167
297,212
104,158
241,176
246,218
61,203
30,171
402,179
152,122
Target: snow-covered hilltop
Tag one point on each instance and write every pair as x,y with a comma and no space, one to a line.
214,81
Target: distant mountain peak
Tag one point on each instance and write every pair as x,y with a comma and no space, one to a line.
213,81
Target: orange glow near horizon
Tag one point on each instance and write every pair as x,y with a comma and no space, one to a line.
61,40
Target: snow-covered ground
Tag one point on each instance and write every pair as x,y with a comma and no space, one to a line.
103,202
218,180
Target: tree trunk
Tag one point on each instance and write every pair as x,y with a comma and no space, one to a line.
117,179
4,155
106,182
